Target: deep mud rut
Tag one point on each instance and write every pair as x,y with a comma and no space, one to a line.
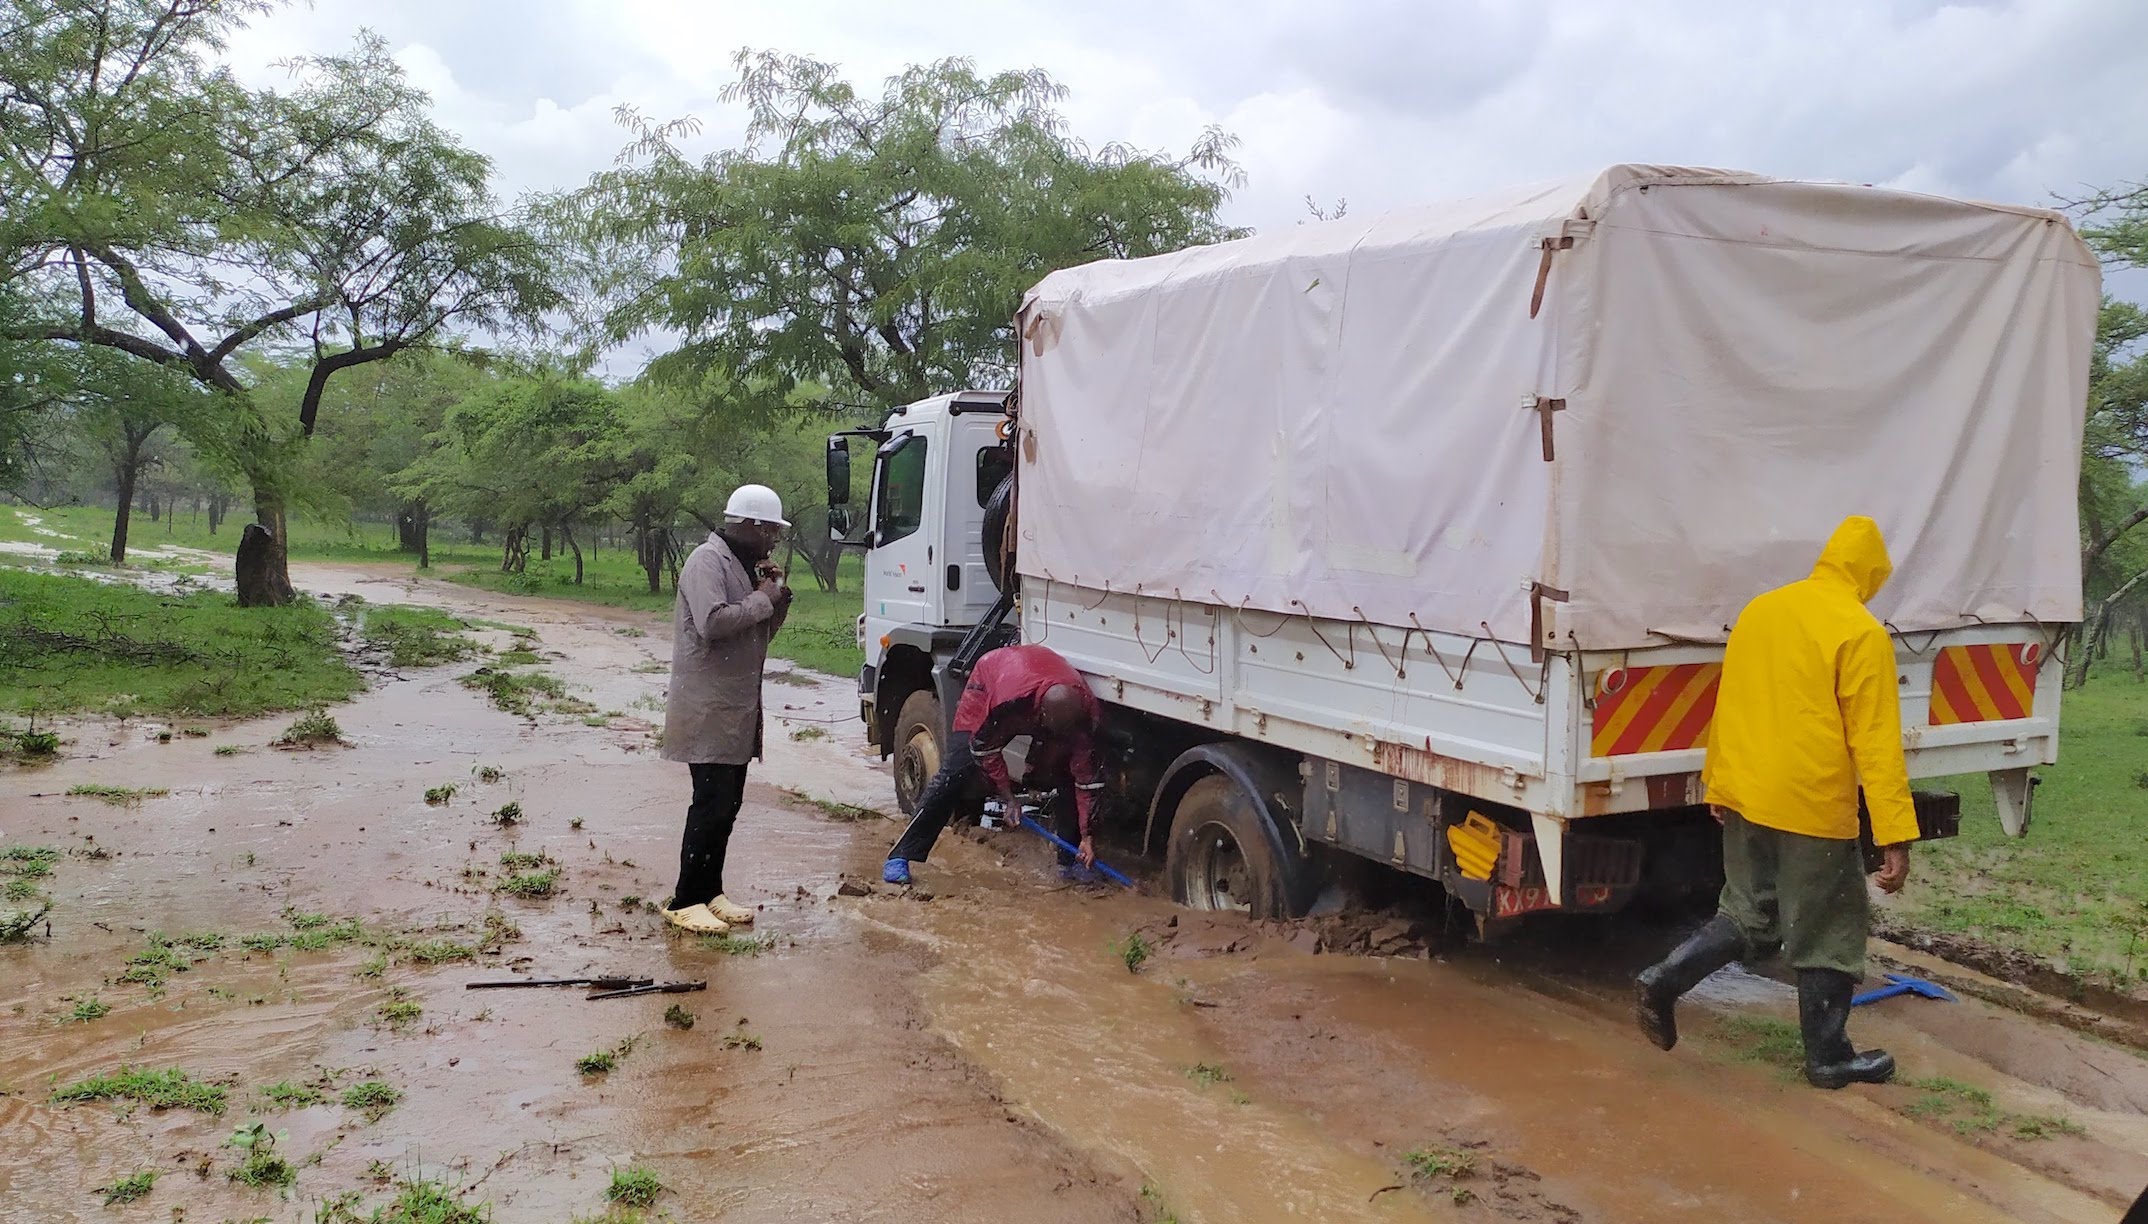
981,1055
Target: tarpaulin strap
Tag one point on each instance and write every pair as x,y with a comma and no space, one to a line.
1144,646
1543,408
1349,663
1914,652
1400,672
1538,593
1432,648
1538,694
1543,270
1180,601
1241,607
1100,599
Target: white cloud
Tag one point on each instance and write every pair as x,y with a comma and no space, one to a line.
1385,102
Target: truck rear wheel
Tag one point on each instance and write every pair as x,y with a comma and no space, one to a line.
917,748
1225,854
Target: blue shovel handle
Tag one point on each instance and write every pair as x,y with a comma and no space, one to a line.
1056,840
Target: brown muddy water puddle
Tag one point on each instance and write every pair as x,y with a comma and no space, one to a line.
981,1056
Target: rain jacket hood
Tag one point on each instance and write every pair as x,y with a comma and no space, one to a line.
1857,555
1809,707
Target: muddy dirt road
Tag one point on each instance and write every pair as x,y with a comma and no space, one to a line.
982,1055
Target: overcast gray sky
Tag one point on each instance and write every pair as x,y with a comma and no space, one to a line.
1382,102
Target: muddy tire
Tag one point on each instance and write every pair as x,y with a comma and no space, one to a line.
917,748
998,549
1226,854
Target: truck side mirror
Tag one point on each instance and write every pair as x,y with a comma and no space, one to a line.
839,524
838,475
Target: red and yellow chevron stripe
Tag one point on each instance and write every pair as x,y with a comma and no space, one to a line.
1972,684
1653,709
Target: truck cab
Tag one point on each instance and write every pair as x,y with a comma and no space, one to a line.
913,494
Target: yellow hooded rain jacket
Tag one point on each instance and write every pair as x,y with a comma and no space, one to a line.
1809,703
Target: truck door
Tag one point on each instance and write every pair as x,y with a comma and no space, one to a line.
977,462
899,577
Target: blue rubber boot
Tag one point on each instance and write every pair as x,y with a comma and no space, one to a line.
895,871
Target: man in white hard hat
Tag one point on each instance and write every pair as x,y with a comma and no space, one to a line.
731,602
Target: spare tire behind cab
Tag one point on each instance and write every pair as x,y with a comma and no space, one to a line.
998,540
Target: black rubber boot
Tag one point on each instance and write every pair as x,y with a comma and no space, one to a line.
1823,1013
1656,988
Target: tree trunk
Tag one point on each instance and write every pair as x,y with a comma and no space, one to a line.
263,571
423,516
155,508
515,554
218,506
545,543
2097,628
406,528
567,534
126,509
650,553
2135,634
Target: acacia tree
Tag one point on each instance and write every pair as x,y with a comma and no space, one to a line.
164,211
2114,502
875,245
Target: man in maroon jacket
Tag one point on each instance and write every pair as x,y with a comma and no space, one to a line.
1015,690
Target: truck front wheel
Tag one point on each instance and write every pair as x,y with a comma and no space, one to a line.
917,748
1225,855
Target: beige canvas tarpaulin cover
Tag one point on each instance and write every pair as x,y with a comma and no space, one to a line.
1343,418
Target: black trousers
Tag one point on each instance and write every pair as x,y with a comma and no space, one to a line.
719,791
936,804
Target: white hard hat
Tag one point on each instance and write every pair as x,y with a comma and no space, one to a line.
757,503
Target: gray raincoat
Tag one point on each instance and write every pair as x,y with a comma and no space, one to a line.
719,642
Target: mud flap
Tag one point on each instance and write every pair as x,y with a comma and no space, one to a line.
2014,791
1595,874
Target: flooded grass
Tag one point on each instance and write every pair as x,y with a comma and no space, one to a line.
742,1040
489,774
315,729
1134,950
507,813
400,1011
1765,1040
118,796
436,952
1973,1111
529,886
634,1186
287,1095
525,693
129,1188
28,862
69,643
843,812
416,637
437,796
415,1202
731,944
20,925
88,1009
516,860
168,1089
373,1098
602,1062
1207,1074
678,1017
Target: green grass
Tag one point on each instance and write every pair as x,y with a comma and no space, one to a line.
1972,1111
416,637
399,1011
678,1017
371,1098
516,860
603,1061
529,885
70,644
118,796
526,693
86,1010
438,952
28,862
1455,1163
634,1186
171,1089
287,1095
313,728
155,964
415,1202
127,1189
732,944
2075,889
819,634
1206,1074
439,795
1134,950
1765,1040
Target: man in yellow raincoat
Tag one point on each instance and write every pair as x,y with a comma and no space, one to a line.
1808,709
